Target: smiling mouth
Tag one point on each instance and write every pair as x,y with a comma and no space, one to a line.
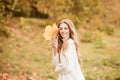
63,34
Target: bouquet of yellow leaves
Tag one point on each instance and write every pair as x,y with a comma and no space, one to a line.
51,32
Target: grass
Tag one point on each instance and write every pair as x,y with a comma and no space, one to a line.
27,53
101,63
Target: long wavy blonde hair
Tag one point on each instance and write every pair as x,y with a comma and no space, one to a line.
73,35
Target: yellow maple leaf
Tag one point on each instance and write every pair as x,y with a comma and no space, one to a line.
50,32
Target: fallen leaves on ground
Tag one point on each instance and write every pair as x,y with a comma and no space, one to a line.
6,76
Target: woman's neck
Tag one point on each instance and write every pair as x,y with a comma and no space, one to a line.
65,39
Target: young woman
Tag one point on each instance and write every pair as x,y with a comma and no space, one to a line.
65,52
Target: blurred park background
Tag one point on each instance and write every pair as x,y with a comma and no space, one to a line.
26,55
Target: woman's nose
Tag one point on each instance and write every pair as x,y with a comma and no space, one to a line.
62,30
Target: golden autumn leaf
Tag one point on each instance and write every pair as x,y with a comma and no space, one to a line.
50,32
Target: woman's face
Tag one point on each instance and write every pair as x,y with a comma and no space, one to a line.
64,30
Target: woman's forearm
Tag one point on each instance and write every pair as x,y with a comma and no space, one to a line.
54,51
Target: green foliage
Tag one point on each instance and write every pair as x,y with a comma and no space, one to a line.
99,43
107,29
98,40
31,21
87,37
95,37
4,32
8,9
79,11
112,61
1,49
2,7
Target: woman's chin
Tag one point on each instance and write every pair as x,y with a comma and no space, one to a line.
63,37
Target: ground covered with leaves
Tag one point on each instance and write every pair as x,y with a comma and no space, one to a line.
6,76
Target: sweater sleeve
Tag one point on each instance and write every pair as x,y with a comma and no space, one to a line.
68,62
59,67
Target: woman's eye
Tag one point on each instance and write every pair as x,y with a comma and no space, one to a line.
60,28
65,28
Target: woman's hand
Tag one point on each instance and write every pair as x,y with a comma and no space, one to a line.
54,43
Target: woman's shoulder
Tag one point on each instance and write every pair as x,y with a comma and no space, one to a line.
71,44
70,41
